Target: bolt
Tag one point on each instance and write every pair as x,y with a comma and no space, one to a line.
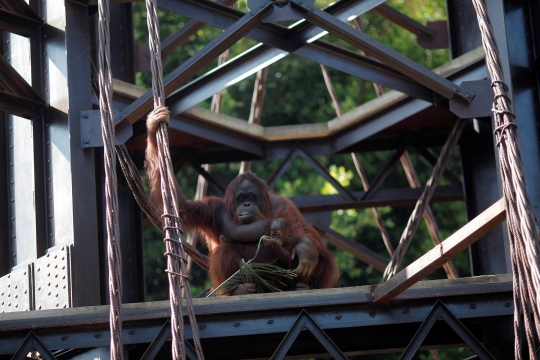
472,306
64,338
132,332
97,336
202,327
469,96
85,116
406,311
507,304
237,325
456,90
372,313
86,142
338,317
270,322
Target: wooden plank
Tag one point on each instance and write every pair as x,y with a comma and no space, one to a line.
440,254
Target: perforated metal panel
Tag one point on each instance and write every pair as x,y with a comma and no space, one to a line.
15,290
53,280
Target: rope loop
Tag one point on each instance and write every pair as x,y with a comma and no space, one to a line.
160,114
501,130
500,82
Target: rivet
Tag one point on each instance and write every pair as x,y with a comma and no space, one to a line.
8,285
57,304
270,322
84,116
237,325
16,305
338,317
25,291
16,296
97,336
49,293
39,308
406,311
472,306
39,288
131,332
64,338
507,304
15,286
372,313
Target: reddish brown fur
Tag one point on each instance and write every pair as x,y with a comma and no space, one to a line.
206,216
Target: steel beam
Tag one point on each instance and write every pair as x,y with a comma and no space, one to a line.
385,54
225,40
277,45
20,25
347,315
399,111
383,197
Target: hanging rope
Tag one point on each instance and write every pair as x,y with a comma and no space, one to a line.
133,179
111,196
522,230
423,201
176,258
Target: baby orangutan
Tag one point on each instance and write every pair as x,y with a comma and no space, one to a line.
286,243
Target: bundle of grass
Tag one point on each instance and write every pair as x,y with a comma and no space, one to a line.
264,275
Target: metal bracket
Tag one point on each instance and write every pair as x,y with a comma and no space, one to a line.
53,279
16,290
91,130
282,10
481,104
440,40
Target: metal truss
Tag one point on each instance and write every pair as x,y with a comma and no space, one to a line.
254,326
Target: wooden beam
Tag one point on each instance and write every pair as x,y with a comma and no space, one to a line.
441,254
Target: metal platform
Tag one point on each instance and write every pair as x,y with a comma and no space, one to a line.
253,326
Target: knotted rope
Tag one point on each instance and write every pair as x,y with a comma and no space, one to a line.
114,259
172,225
423,201
522,230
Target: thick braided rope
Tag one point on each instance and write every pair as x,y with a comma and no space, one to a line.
113,234
135,184
423,201
522,230
176,257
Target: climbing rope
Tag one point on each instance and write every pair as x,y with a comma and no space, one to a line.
172,225
114,259
423,201
522,230
133,179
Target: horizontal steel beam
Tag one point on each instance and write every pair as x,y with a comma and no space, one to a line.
19,106
383,197
19,25
253,326
231,139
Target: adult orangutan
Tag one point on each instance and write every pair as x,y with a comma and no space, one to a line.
240,219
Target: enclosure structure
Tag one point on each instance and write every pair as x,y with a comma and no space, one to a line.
51,188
